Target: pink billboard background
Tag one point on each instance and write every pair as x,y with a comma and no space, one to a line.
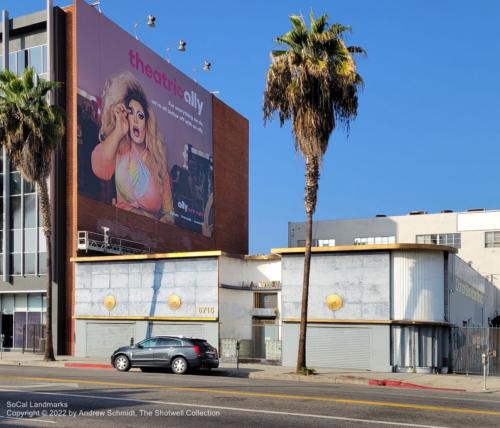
144,128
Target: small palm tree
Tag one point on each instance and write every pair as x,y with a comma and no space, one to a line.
30,131
315,84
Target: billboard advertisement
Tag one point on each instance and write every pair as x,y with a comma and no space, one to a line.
144,131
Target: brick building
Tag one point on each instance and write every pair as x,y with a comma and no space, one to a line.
90,214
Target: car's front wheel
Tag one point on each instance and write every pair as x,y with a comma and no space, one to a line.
179,365
122,363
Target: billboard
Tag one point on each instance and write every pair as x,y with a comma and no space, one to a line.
144,129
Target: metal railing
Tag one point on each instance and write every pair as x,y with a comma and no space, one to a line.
467,346
251,342
33,338
103,243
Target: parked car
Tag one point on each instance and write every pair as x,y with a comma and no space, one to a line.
178,353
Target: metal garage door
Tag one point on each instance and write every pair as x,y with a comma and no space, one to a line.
188,330
104,338
342,347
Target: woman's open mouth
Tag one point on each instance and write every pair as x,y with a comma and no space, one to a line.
135,131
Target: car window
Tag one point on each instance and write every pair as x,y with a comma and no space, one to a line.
150,343
162,341
201,343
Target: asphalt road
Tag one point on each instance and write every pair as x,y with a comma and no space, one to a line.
42,397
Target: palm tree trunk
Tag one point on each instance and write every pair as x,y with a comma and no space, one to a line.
46,226
312,177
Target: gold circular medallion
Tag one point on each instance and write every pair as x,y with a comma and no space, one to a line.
109,302
334,302
174,302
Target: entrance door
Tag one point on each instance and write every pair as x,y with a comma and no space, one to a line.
20,330
8,330
263,330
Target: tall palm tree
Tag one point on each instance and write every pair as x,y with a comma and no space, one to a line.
30,130
314,83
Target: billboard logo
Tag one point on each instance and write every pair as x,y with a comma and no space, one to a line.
160,78
192,99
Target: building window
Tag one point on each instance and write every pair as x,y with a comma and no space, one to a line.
449,239
326,242
492,239
317,243
35,57
372,240
266,300
26,241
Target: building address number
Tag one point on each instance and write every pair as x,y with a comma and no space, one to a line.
206,310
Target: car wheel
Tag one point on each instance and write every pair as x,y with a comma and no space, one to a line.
179,365
122,363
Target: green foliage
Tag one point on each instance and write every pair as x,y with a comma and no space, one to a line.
313,82
30,128
306,371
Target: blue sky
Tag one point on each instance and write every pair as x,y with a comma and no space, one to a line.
428,127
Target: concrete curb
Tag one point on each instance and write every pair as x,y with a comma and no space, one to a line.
89,366
32,363
318,378
408,385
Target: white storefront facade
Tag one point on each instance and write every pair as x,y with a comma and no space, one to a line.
381,307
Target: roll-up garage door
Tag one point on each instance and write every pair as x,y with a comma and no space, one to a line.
342,347
170,329
104,338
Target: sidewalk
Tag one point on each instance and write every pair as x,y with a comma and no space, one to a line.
445,382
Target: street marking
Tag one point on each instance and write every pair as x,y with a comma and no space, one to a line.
422,395
236,409
270,395
29,419
42,385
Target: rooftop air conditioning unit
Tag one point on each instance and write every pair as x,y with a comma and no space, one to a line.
476,210
417,212
446,211
380,215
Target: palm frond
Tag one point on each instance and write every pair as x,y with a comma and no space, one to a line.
318,25
314,83
30,128
337,30
357,50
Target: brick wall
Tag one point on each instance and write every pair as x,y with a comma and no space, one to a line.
230,136
230,140
70,172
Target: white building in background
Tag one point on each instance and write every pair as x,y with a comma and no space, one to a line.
475,234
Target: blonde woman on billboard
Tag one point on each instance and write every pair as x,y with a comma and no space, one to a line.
131,147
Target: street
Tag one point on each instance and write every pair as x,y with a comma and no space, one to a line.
41,396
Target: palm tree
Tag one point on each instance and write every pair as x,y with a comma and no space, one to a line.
315,84
30,130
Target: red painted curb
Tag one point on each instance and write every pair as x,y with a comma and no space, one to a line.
89,366
399,384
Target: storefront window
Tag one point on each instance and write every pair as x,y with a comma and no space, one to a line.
22,320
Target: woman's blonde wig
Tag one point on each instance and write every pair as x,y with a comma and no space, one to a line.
118,88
